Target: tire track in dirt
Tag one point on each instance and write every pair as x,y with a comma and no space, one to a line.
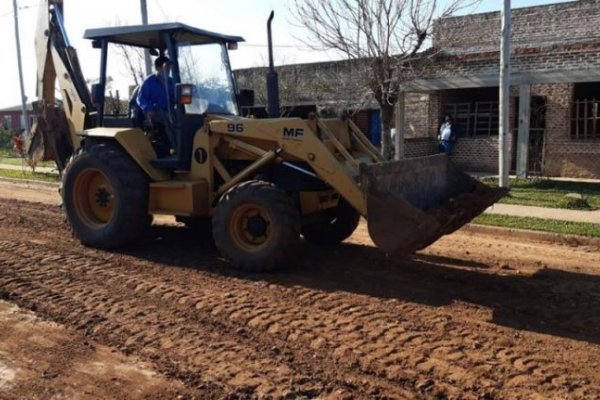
193,350
341,328
202,308
44,360
377,346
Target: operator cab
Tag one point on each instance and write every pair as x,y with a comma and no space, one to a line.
203,82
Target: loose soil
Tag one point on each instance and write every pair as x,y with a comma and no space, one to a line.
471,317
41,359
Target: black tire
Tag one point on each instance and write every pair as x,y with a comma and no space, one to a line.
256,226
337,225
114,211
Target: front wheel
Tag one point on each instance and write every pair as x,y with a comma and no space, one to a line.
257,227
105,196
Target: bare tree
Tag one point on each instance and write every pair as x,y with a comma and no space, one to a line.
134,62
383,37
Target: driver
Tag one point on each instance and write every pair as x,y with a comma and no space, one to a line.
156,96
152,97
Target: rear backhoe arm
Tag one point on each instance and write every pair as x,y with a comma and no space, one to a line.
55,135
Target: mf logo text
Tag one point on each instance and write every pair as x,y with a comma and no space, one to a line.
293,133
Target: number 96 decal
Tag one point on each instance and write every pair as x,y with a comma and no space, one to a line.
235,128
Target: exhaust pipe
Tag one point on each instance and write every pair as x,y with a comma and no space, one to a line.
272,78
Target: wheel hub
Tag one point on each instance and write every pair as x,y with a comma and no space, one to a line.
251,227
102,197
257,226
94,198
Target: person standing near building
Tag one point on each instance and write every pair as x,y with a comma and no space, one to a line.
447,136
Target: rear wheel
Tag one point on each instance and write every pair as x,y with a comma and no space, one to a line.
337,225
257,227
105,196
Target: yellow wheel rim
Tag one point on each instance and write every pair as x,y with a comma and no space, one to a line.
94,198
251,227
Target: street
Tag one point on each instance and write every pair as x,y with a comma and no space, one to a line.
473,316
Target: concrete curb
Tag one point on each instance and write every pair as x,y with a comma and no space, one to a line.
549,237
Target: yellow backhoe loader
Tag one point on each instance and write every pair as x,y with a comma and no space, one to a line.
262,184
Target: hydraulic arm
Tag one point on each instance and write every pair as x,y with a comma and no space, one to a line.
55,135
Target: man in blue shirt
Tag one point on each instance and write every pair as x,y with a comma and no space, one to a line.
156,95
157,91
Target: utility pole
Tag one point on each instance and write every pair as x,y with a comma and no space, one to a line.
24,117
144,8
400,126
503,126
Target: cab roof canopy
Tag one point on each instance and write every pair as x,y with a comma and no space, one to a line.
152,36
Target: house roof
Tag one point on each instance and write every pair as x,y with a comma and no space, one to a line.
15,108
152,35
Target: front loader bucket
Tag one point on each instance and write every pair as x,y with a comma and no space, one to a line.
412,203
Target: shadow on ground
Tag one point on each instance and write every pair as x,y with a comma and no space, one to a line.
551,301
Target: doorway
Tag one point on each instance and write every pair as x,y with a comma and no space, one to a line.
537,131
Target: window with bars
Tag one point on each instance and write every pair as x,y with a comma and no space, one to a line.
585,120
478,118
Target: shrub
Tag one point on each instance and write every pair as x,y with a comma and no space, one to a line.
575,203
5,139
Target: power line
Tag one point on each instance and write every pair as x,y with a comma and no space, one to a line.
289,46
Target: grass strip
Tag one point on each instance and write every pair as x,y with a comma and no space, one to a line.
21,161
540,224
550,193
34,176
8,157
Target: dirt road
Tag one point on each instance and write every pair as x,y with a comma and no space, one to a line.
473,316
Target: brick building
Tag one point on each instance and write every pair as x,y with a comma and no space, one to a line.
325,87
10,118
554,98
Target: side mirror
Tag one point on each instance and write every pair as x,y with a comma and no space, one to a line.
246,98
97,93
232,46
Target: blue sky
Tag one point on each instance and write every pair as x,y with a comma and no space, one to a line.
246,18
